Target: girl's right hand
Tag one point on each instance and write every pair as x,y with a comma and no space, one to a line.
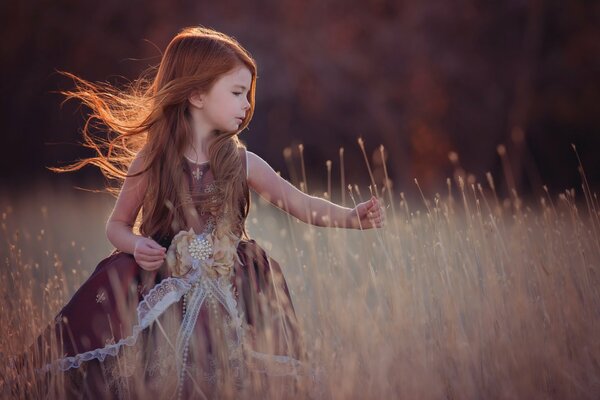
148,254
367,215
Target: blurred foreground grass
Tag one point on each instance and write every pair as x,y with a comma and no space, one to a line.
463,296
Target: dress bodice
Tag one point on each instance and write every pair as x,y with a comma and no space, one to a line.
200,180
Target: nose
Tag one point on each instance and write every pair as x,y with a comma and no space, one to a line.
246,106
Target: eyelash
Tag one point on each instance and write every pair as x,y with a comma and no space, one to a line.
237,93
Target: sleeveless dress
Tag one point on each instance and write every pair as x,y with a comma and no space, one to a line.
129,333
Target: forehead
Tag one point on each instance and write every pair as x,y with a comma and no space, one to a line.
238,76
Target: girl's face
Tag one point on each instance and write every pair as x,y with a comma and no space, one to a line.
225,105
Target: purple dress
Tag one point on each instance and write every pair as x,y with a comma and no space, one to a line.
128,332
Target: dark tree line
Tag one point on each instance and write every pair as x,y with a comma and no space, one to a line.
422,78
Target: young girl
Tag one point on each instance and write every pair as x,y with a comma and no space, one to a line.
190,306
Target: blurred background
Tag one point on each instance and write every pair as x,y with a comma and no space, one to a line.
423,79
496,302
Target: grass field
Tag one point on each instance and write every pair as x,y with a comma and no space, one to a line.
460,296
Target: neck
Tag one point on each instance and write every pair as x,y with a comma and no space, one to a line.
202,131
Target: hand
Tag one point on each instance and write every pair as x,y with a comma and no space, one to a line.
148,254
370,214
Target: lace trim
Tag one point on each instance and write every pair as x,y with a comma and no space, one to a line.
220,289
158,299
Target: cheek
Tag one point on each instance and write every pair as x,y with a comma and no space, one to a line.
216,106
226,104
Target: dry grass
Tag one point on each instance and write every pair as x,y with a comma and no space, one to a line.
463,296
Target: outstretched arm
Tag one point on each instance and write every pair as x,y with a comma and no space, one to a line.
309,209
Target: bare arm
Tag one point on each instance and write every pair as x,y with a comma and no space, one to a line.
148,254
119,228
309,209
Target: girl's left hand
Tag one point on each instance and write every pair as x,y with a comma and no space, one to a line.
369,213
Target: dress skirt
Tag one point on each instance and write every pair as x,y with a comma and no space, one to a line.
132,333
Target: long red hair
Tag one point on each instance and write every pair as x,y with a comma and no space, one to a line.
151,113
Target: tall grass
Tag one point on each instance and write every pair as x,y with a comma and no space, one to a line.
463,295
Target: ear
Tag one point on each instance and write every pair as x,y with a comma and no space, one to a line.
196,99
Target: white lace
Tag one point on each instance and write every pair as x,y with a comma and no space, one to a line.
219,289
158,299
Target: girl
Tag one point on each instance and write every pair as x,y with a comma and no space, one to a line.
190,306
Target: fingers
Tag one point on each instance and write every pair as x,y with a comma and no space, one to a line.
376,212
374,203
363,208
153,249
379,222
152,252
377,215
373,200
369,205
157,252
150,266
150,257
152,244
370,214
149,254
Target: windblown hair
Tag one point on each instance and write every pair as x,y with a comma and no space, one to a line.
151,116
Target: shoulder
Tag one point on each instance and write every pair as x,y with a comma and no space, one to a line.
250,166
250,155
139,161
254,161
259,171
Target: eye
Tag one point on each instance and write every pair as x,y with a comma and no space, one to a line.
237,93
